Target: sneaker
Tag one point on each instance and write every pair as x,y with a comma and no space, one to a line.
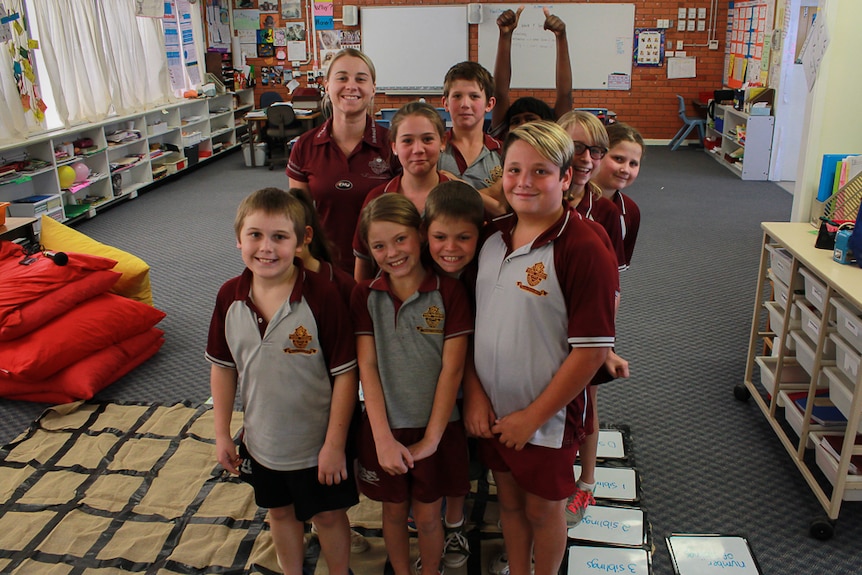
358,542
577,505
456,550
499,565
417,567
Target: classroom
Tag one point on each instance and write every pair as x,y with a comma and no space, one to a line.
131,131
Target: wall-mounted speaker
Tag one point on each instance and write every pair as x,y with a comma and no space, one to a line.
474,13
350,15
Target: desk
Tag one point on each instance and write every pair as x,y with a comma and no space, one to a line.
16,228
256,120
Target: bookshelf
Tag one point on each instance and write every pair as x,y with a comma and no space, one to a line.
746,155
123,155
816,346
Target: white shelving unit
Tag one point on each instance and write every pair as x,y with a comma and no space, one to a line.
745,142
815,331
124,154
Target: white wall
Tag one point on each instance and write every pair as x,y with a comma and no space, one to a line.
791,96
833,120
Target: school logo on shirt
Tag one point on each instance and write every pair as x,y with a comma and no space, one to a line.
535,275
432,316
495,174
379,166
343,185
300,339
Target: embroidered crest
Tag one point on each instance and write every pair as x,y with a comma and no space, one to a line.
495,174
367,475
433,316
535,275
300,339
379,166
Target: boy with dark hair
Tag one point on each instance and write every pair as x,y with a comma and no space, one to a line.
471,154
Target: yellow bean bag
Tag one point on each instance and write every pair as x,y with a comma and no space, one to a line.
135,281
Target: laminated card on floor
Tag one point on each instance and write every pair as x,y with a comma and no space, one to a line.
693,554
585,560
616,483
622,526
611,444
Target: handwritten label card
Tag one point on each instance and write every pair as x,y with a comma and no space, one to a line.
708,554
611,440
618,483
612,525
586,560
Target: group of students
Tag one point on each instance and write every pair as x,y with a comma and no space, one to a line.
470,285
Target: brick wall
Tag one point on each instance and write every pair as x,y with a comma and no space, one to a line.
651,105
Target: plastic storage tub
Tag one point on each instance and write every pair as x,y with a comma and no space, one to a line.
847,358
849,322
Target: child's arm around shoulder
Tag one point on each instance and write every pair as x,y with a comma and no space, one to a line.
394,457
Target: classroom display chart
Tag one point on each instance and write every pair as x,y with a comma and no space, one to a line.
711,554
616,483
621,526
749,43
588,560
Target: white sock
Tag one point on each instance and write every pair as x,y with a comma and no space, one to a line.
584,486
453,525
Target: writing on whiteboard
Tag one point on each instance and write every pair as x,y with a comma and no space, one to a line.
597,565
606,524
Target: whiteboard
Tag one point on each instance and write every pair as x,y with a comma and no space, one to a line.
413,47
600,43
711,554
604,560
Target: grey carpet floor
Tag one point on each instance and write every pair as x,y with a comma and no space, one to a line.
707,462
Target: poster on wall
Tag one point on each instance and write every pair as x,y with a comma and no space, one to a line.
649,47
218,25
749,43
291,10
246,19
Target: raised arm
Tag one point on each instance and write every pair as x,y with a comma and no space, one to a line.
563,102
506,22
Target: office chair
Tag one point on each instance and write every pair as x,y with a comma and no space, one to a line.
281,128
688,124
267,99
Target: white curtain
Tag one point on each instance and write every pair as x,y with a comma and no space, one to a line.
135,57
101,58
70,31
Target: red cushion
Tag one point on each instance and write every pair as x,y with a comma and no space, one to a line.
26,317
22,285
92,373
89,327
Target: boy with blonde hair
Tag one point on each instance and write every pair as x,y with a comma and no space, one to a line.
545,295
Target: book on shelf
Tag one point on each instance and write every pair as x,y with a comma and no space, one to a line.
833,444
823,412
